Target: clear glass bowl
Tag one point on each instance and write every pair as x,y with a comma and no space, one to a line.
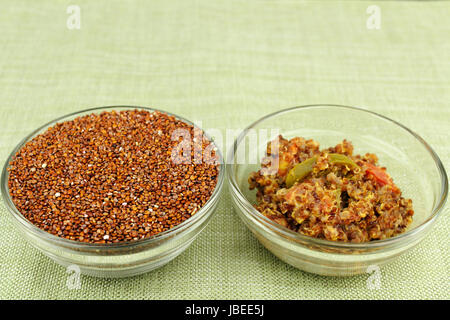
412,163
112,260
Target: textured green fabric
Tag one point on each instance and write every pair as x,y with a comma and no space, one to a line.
225,63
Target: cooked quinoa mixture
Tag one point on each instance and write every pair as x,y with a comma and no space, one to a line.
109,177
330,193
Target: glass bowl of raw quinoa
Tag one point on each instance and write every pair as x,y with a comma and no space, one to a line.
335,190
116,191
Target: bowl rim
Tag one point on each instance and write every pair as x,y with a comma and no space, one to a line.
106,246
284,231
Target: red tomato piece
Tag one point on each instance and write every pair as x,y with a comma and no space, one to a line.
379,174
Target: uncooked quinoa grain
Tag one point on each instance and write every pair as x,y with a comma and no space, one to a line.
109,177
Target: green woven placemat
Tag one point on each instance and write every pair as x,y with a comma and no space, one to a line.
225,63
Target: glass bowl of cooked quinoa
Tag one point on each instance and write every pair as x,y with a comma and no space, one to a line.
335,190
116,191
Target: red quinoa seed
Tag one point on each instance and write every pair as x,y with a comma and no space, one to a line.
109,177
